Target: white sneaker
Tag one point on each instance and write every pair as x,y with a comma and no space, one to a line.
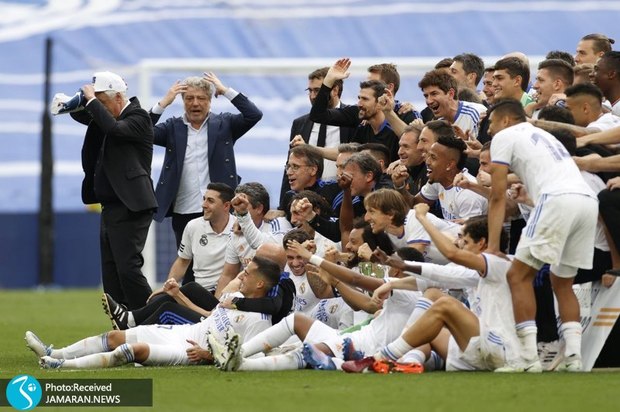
533,366
570,364
548,352
36,345
47,362
225,355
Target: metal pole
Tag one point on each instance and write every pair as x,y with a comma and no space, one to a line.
46,215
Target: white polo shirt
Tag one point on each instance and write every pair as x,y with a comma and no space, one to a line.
207,248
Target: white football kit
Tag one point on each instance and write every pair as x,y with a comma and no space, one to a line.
456,202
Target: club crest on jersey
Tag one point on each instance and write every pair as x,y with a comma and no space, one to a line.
203,240
239,318
302,288
332,309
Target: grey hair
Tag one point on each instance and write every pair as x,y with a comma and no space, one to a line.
366,163
199,83
112,93
257,194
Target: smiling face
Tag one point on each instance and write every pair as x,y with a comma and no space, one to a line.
355,240
300,174
378,220
505,86
250,280
487,87
212,205
197,104
425,141
408,151
367,104
438,101
296,263
545,86
439,165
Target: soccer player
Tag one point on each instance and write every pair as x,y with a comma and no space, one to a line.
478,339
165,345
560,230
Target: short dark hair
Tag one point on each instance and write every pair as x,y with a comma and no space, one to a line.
409,253
349,147
377,86
509,107
587,89
556,114
477,227
320,74
612,58
268,270
456,144
388,73
515,67
318,202
312,155
468,95
226,192
297,234
558,69
257,194
600,42
562,55
444,63
440,128
471,64
567,138
378,151
440,79
366,163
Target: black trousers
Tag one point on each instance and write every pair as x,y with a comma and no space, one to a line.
164,310
122,236
178,226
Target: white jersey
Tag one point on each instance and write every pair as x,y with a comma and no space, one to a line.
605,122
242,247
456,202
539,159
615,108
173,338
206,248
322,243
414,233
305,299
468,117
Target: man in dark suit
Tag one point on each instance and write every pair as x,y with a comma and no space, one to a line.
199,147
116,158
317,134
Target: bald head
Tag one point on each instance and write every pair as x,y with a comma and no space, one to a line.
519,55
273,252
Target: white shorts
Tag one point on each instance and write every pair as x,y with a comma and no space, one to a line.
483,353
168,343
321,333
560,231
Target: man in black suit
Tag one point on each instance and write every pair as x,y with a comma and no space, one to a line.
317,134
116,158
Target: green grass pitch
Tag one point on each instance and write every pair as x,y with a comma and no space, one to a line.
61,317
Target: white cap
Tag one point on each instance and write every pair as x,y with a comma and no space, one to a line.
103,81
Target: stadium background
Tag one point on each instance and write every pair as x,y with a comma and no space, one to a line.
145,40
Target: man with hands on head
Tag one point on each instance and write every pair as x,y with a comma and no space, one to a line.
199,146
116,159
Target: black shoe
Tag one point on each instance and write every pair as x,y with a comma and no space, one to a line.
118,313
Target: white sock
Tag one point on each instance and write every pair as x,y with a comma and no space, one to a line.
394,350
88,346
289,361
131,322
421,306
119,356
270,338
571,332
527,331
434,362
413,356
